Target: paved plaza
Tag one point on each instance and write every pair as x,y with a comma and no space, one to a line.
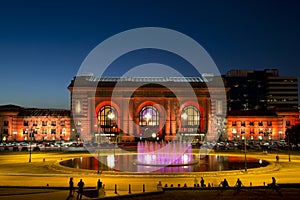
44,178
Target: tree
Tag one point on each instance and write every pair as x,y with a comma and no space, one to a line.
292,135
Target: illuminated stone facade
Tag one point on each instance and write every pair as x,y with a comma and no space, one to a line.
24,124
260,125
151,111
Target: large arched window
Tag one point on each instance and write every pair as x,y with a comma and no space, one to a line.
190,116
149,116
107,116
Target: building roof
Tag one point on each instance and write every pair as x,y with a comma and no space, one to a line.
87,80
20,111
44,112
10,107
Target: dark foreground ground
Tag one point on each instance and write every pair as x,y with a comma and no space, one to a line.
254,193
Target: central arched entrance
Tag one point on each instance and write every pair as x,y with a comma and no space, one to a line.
149,123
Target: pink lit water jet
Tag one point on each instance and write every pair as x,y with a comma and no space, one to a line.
165,154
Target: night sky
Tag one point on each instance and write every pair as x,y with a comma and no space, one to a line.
43,43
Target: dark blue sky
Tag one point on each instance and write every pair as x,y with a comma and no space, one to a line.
43,43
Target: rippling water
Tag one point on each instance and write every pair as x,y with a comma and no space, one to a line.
126,163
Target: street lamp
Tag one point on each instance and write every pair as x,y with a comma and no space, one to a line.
245,150
289,146
98,149
30,134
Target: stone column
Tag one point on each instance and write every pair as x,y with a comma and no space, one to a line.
168,115
173,117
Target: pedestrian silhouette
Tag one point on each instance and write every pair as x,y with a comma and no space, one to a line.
224,183
202,184
99,184
238,184
71,187
275,186
80,189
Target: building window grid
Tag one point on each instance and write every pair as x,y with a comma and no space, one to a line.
25,123
107,116
243,124
53,131
242,131
5,131
62,123
269,123
190,116
149,116
5,123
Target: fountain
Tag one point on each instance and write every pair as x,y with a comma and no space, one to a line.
162,154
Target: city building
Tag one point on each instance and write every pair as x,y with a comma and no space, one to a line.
257,125
261,104
258,105
282,93
31,124
261,90
147,108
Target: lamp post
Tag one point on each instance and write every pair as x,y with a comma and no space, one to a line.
245,150
111,117
98,148
289,146
30,134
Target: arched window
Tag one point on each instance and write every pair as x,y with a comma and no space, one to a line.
149,116
190,116
107,116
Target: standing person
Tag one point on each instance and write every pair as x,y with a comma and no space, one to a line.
202,182
273,182
99,184
238,184
80,189
71,186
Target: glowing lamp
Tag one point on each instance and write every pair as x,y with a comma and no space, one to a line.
184,116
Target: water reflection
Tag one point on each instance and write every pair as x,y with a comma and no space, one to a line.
125,163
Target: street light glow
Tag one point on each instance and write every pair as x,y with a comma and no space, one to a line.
111,115
184,116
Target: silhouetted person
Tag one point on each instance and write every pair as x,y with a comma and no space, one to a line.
71,186
275,186
238,184
202,184
99,184
80,189
224,183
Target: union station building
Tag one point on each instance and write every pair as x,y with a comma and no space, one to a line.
147,108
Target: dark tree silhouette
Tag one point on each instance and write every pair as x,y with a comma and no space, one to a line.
292,135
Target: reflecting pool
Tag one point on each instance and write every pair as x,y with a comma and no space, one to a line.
128,163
